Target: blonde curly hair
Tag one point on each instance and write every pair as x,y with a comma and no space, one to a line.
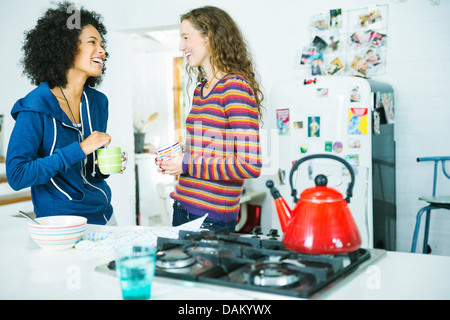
229,51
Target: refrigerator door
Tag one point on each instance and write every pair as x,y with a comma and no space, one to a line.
329,115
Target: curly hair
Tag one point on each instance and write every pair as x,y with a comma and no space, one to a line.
229,51
50,48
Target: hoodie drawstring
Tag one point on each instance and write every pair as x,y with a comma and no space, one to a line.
90,127
51,152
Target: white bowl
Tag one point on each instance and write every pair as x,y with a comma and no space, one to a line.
57,232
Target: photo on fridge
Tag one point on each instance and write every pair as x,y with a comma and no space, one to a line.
283,121
354,94
314,127
357,121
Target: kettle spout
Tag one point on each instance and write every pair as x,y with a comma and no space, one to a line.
283,210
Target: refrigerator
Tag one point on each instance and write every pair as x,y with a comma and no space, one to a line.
351,118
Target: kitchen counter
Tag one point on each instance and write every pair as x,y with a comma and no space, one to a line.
28,272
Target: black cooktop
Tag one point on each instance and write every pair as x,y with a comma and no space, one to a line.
251,262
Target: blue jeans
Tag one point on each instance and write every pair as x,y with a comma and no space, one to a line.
181,216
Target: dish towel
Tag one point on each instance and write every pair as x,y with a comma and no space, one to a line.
109,241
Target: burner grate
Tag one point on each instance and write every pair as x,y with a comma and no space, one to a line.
252,263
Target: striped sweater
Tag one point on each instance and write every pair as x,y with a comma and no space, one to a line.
222,149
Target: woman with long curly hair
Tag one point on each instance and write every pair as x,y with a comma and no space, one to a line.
223,143
60,124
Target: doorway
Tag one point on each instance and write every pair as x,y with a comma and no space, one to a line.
157,88
158,83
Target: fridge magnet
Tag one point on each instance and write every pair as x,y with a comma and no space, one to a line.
322,93
336,18
303,149
328,146
316,65
313,127
298,124
354,144
388,103
282,176
354,94
283,121
353,161
385,106
338,147
309,81
357,121
376,122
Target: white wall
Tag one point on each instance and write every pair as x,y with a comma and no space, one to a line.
417,68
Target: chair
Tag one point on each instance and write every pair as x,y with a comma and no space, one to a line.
434,202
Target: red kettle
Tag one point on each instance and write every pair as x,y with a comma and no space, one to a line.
321,222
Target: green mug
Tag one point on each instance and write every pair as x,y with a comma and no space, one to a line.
110,160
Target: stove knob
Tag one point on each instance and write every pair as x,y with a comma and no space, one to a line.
256,231
273,233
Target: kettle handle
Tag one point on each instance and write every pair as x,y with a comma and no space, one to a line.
329,156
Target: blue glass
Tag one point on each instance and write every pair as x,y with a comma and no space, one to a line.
135,266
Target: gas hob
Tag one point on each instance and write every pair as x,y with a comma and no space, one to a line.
255,263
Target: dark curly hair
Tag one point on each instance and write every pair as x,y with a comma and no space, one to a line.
50,48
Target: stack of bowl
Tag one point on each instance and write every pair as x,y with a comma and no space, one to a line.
57,232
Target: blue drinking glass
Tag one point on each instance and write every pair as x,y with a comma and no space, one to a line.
135,267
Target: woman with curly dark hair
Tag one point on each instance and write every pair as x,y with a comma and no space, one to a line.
60,124
222,129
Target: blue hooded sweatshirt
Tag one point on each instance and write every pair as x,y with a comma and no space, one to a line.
44,153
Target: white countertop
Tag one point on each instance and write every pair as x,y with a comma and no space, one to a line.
28,272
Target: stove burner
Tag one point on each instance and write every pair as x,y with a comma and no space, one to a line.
274,275
258,264
174,259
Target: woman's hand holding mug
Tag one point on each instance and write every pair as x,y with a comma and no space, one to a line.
94,142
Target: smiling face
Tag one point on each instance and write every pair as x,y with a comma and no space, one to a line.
91,53
194,45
